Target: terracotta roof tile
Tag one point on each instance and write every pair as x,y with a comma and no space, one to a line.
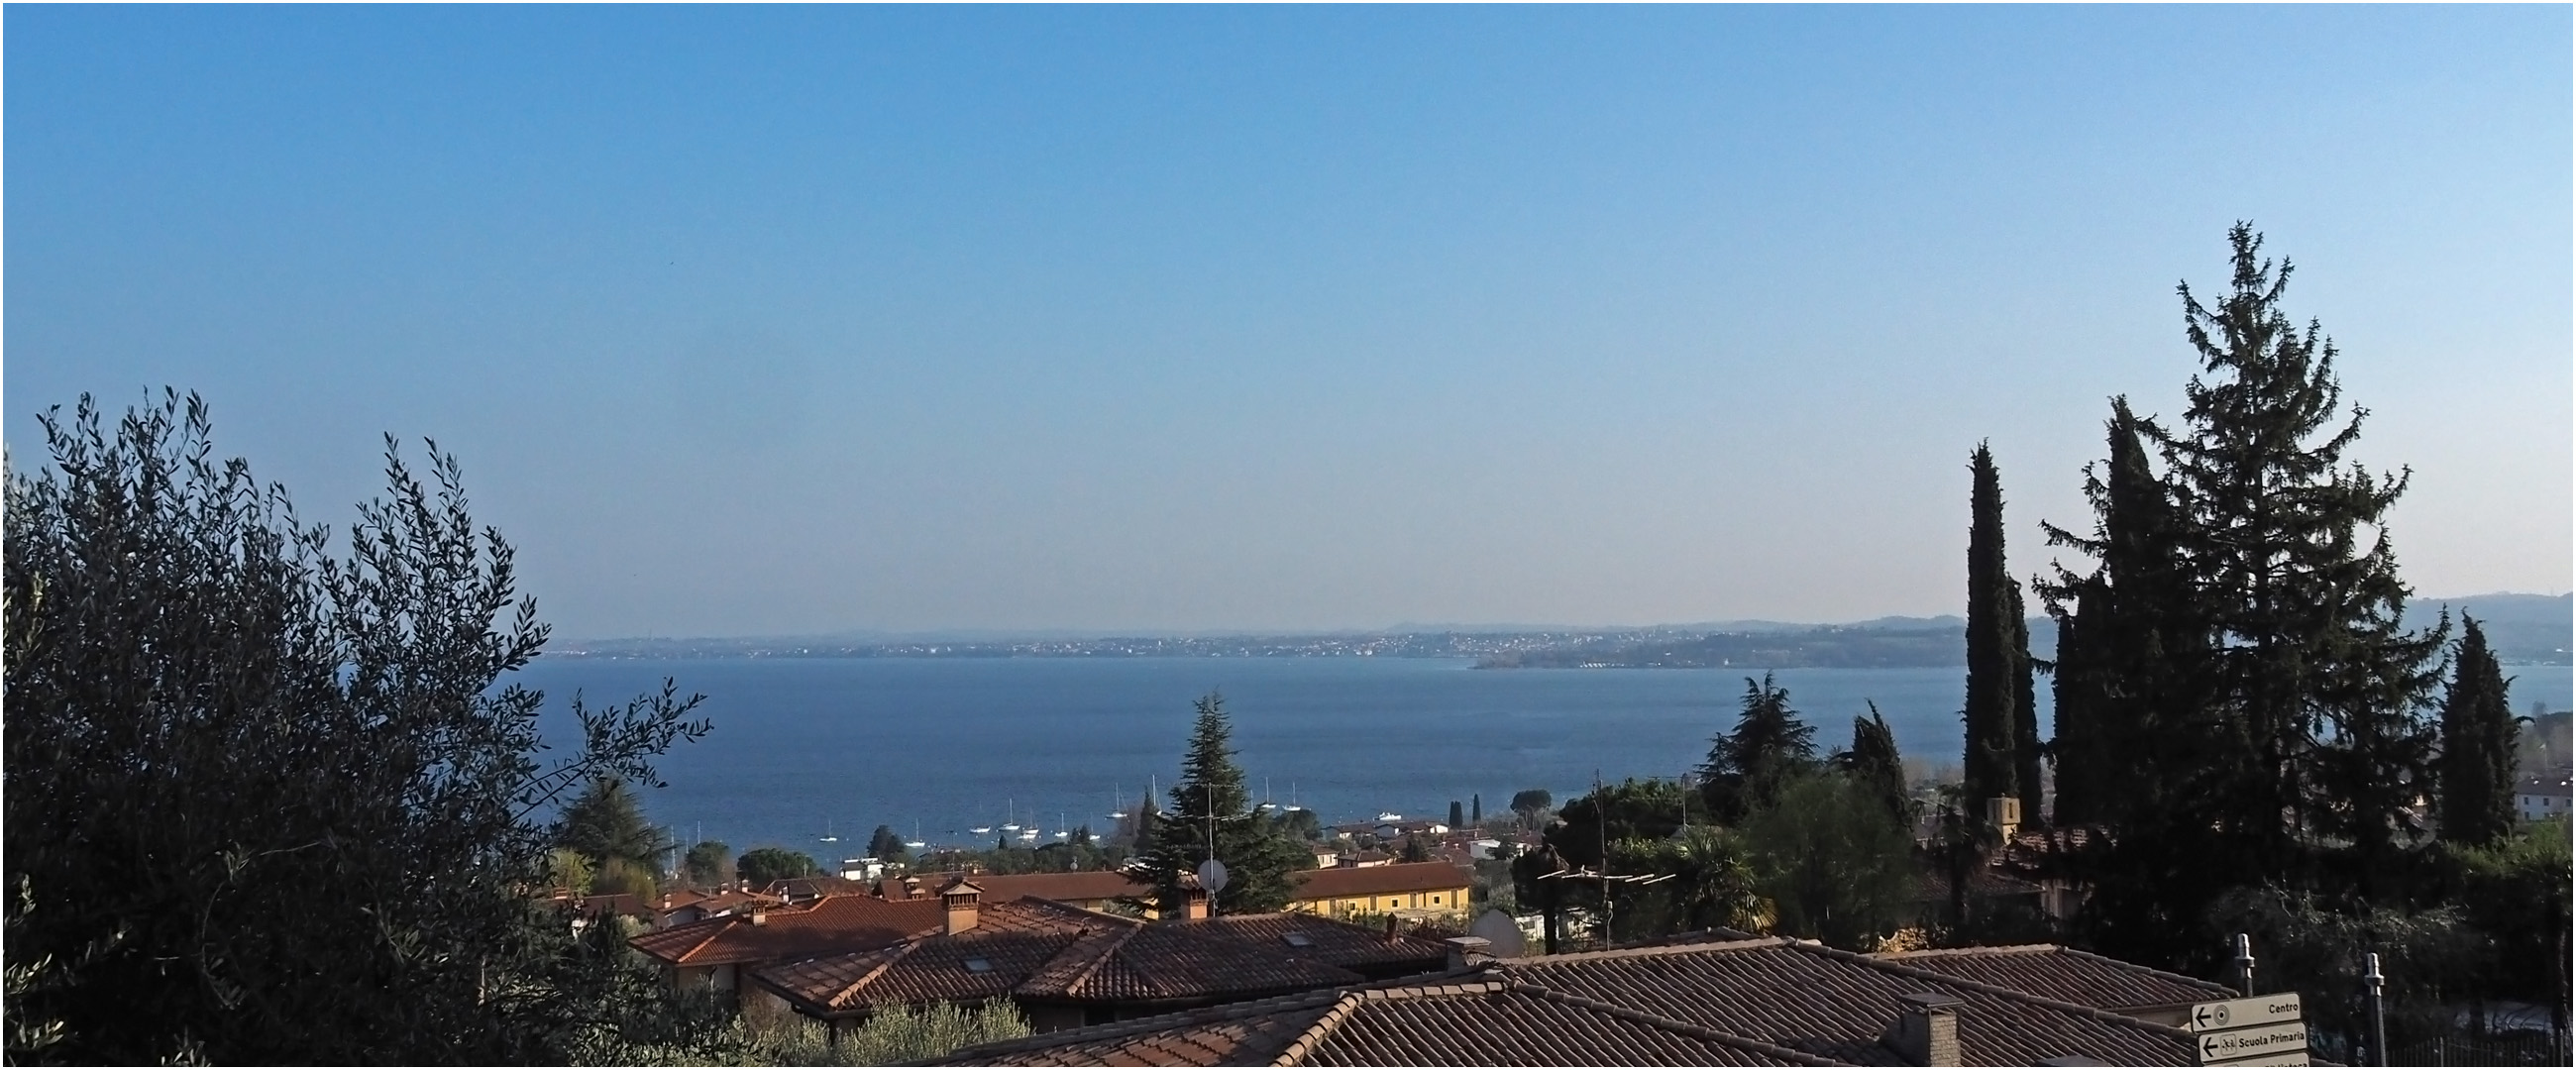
830,925
1334,943
1818,999
2062,973
1349,882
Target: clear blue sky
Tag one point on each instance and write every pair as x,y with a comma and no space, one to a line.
773,321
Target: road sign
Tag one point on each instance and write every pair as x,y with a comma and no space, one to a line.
2240,1013
1212,876
2259,1042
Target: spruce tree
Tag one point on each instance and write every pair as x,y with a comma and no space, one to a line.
2476,800
1210,808
2321,690
1998,650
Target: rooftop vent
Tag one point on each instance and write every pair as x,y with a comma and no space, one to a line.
979,965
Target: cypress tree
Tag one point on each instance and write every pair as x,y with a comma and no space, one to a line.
2321,692
1998,651
1457,814
2127,725
2476,800
1874,763
1476,809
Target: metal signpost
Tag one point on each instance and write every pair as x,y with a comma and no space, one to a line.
2260,1031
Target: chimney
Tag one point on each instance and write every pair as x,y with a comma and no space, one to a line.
1927,1032
758,916
961,899
912,888
1465,951
1194,903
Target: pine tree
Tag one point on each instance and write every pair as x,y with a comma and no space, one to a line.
2476,800
1873,762
606,824
1211,807
1745,767
1998,648
2321,690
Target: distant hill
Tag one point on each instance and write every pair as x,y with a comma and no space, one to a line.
2523,629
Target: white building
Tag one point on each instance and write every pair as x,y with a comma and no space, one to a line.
2538,797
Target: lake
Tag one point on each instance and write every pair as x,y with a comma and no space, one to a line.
944,745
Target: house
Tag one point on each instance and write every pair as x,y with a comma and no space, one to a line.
1756,1002
2542,796
1092,889
1066,967
1414,890
710,954
685,906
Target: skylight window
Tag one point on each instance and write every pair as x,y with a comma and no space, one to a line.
979,965
1298,940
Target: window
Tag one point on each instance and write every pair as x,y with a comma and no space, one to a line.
1298,940
979,965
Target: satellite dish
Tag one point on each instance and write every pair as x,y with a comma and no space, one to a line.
1212,876
1503,936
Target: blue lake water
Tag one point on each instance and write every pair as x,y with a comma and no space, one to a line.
945,745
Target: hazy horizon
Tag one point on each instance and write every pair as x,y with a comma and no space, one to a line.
809,321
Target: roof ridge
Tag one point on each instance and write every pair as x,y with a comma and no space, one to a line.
1108,950
1986,987
1982,949
2169,975
1650,951
901,951
1312,1035
1674,1025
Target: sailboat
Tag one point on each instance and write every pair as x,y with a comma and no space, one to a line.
1266,804
916,842
827,832
1117,805
1010,822
1292,796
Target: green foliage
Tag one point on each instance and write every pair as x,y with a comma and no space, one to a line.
1629,810
1457,814
277,795
1832,864
569,870
2002,756
1711,885
885,845
894,1036
2517,892
606,824
2476,800
1873,762
1530,803
1769,745
708,863
761,865
1300,825
2313,945
1210,805
1415,850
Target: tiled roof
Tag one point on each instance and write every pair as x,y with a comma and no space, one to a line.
1350,882
1837,1003
1437,1022
810,887
830,925
1083,886
1038,949
1334,943
2066,974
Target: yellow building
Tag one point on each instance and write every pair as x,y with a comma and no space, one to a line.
1409,889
